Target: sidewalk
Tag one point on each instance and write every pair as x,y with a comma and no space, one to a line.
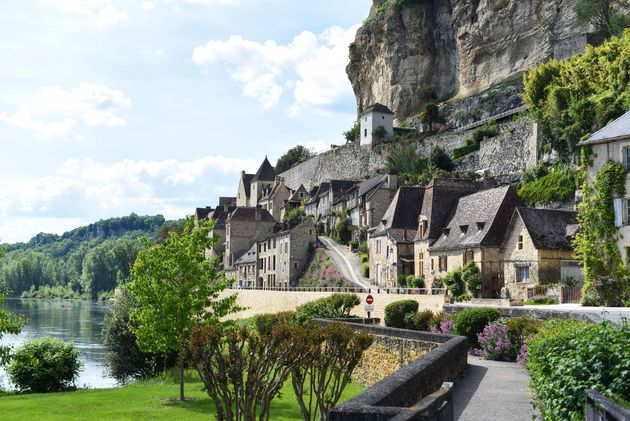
492,390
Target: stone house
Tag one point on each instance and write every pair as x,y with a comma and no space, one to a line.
475,232
312,207
376,115
390,244
440,197
244,190
537,250
297,198
368,204
243,228
612,143
274,197
335,201
245,269
219,216
263,179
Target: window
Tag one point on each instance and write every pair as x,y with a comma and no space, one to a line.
469,256
310,232
627,159
520,242
365,133
378,246
432,264
443,264
423,228
295,265
522,274
286,246
274,263
628,210
421,264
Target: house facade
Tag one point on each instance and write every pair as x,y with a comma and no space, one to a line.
297,198
245,269
274,197
243,228
612,143
538,250
244,190
370,201
376,115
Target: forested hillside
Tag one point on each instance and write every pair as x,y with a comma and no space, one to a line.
80,263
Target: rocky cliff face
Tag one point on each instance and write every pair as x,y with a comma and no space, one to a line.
411,51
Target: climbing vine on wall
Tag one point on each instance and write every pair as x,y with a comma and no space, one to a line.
605,277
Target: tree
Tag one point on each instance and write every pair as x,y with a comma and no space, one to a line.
430,114
610,17
293,157
353,134
177,289
405,162
9,324
439,159
379,132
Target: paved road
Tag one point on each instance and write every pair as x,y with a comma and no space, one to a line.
348,263
492,390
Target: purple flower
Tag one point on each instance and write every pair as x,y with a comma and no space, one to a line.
495,343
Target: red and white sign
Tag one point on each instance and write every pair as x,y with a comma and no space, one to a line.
369,299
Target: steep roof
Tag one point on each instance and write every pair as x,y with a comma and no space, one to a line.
550,229
247,183
220,216
371,183
479,219
249,214
616,130
440,197
202,213
379,108
248,257
295,197
265,172
402,213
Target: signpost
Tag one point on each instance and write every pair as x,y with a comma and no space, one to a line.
369,307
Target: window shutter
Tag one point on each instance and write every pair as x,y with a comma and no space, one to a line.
618,213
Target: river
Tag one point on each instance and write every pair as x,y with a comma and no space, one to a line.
68,320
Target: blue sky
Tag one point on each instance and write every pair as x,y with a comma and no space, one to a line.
115,106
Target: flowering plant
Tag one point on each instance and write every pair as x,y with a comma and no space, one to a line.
495,343
446,326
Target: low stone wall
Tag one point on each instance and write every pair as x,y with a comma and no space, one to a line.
535,313
261,301
399,393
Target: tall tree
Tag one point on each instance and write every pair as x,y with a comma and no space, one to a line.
292,157
430,114
177,288
610,17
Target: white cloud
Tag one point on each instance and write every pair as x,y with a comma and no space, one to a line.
109,15
56,112
313,66
87,190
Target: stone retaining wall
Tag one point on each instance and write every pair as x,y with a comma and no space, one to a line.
535,313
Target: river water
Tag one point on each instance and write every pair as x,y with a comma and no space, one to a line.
68,320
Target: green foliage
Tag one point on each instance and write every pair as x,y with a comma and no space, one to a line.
473,143
401,280
396,312
566,357
125,360
379,132
473,279
48,292
405,161
440,159
454,282
336,306
365,258
556,186
522,328
437,319
572,98
430,114
609,17
354,134
342,233
294,215
471,321
292,157
265,323
419,321
415,281
605,278
321,272
9,324
44,365
176,279
540,300
365,268
363,247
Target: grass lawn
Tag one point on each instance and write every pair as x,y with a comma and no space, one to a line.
146,400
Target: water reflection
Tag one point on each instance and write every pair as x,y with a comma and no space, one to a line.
68,320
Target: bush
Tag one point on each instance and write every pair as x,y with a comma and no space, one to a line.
472,278
463,297
365,258
540,300
363,248
495,344
437,283
567,356
334,307
353,244
419,320
265,323
604,291
415,281
438,318
471,321
365,267
454,283
44,365
395,312
521,328
402,281
557,186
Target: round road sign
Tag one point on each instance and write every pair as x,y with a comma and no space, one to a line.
369,299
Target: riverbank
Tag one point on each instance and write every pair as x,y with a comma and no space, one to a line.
144,400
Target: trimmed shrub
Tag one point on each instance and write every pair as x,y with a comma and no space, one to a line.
365,267
454,283
44,365
419,320
415,281
472,278
540,300
334,307
395,312
471,321
402,281
567,356
265,323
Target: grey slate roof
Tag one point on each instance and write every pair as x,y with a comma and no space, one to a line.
220,216
371,183
479,219
247,183
402,213
229,201
247,258
249,214
379,108
202,213
615,130
550,229
265,172
440,197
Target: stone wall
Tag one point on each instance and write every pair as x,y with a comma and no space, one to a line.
261,301
347,162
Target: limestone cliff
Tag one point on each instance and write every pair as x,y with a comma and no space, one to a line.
411,51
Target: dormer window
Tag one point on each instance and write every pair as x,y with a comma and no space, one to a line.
446,231
423,228
480,225
463,228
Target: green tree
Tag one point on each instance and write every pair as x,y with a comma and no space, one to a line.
9,324
353,134
293,157
430,114
440,159
610,17
379,132
177,289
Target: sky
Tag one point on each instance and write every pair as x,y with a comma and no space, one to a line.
109,107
